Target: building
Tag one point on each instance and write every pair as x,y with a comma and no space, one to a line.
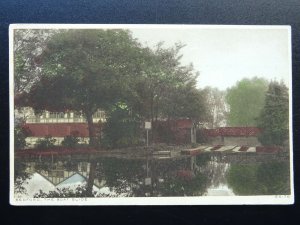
230,136
57,125
178,131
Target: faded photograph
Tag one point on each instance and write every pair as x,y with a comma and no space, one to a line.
150,111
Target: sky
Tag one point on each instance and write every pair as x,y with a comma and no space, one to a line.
224,56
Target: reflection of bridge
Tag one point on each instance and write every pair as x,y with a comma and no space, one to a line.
231,149
239,154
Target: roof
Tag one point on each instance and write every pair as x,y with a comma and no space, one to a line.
176,123
232,131
57,129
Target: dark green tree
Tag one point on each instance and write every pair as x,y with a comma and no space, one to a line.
165,88
274,118
71,141
20,135
45,143
246,100
122,128
84,70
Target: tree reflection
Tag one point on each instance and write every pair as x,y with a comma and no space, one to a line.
123,177
183,176
21,175
259,179
183,186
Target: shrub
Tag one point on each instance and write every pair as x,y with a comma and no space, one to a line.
44,143
20,134
71,141
121,129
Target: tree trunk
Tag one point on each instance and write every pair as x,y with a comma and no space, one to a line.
92,133
91,178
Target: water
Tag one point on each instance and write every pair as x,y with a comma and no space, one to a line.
122,176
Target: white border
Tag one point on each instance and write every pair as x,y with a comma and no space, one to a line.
201,200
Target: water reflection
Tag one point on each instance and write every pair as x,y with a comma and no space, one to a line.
260,179
148,176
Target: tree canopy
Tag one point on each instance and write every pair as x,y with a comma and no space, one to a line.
274,118
84,70
28,47
246,100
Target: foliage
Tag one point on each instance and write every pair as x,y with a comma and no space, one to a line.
254,179
216,107
78,192
274,118
45,143
202,159
93,64
117,172
28,47
20,134
246,100
121,129
179,186
165,88
71,141
20,176
104,67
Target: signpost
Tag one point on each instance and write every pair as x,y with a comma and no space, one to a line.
148,127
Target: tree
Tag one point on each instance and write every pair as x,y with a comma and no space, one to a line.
246,100
28,47
71,141
20,135
121,129
165,88
84,70
216,107
274,118
45,143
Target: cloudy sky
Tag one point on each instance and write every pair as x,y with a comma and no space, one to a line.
225,55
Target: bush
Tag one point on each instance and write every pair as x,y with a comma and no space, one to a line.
44,143
71,141
20,134
121,130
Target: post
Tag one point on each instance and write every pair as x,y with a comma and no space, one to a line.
147,127
147,138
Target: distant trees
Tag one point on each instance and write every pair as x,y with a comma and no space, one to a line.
246,100
274,117
216,107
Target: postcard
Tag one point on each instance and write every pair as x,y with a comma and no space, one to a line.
150,114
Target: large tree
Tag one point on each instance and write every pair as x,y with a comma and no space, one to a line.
166,88
246,100
274,118
216,107
84,70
